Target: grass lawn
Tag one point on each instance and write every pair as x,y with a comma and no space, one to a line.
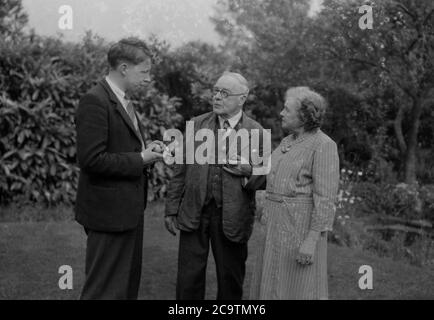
32,252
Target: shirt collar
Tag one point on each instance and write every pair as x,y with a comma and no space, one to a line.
289,140
117,91
232,121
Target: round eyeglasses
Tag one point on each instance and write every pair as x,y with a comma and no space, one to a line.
225,93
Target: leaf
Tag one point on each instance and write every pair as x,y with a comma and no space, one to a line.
24,155
9,153
21,137
6,170
53,170
16,186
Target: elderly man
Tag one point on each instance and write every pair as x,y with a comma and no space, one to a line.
209,203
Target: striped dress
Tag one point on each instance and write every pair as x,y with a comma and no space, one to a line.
301,193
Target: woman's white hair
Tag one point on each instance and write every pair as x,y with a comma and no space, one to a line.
312,106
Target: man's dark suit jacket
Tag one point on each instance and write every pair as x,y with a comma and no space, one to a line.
112,188
187,191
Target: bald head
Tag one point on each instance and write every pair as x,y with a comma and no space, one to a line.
238,80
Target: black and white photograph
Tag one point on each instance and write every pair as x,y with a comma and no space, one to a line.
235,151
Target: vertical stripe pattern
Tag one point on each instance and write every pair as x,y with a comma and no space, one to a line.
301,193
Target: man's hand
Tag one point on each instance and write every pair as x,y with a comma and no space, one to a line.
149,156
241,169
307,249
156,146
169,222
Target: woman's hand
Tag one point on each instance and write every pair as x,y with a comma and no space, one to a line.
307,249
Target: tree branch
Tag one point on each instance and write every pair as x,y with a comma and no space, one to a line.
397,126
405,9
425,21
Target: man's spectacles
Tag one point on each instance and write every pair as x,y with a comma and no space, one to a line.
225,93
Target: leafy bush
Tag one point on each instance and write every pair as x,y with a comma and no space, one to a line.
393,220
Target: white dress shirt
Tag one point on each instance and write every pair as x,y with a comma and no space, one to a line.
120,94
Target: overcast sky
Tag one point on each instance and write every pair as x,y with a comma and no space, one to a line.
177,21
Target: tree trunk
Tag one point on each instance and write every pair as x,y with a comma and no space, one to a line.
397,126
412,145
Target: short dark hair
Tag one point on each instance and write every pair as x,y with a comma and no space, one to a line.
131,50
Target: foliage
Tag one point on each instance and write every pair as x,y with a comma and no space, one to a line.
12,19
392,62
378,82
40,93
393,220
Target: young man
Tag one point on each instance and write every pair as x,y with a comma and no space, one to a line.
112,189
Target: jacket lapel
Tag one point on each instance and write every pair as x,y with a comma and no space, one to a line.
120,108
141,129
211,122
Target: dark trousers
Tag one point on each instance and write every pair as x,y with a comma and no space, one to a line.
230,259
113,264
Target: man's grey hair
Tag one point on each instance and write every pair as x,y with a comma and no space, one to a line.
312,106
239,78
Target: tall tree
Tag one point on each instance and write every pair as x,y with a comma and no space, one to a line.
389,70
397,55
12,18
266,37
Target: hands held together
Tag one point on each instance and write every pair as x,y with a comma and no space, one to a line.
153,152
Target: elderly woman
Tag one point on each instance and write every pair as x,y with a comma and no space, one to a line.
300,205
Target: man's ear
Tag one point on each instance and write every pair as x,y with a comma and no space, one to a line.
243,99
123,68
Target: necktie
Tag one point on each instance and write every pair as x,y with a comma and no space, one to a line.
132,115
226,125
226,147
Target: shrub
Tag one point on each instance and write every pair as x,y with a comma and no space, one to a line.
393,220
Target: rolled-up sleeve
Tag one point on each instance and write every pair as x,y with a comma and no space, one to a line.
325,176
